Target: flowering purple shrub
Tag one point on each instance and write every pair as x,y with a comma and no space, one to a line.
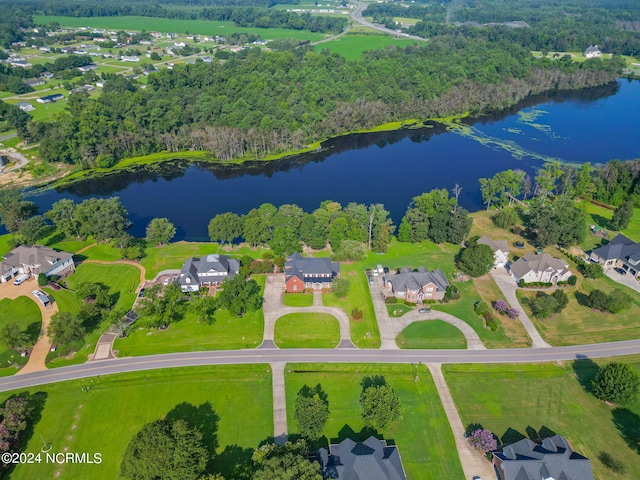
512,312
500,305
482,440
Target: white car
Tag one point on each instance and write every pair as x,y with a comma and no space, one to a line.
21,279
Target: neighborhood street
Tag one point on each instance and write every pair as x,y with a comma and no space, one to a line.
317,355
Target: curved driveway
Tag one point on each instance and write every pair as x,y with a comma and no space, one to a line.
317,355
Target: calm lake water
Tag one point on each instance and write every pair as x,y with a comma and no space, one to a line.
594,126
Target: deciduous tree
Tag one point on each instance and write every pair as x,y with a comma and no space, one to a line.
287,462
312,411
160,231
380,406
616,383
476,259
239,295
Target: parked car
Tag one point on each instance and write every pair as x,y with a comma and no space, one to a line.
141,293
424,310
370,278
621,271
385,269
21,279
167,281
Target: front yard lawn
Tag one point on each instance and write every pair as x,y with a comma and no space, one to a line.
227,332
307,330
515,401
398,309
298,299
423,435
578,324
431,334
26,314
104,418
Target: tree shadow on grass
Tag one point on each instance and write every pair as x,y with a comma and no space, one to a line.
348,432
234,462
585,370
628,424
202,418
601,221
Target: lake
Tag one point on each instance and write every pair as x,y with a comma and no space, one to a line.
594,125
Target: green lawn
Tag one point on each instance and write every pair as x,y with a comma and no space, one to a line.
67,244
104,252
173,255
4,243
122,281
578,324
298,299
423,436
431,334
104,419
513,400
307,330
201,27
398,309
24,312
601,216
351,46
228,332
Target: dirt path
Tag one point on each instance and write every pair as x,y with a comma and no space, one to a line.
85,248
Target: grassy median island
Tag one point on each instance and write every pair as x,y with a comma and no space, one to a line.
510,400
423,434
307,330
431,334
26,314
115,407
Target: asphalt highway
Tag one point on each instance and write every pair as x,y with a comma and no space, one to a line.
347,355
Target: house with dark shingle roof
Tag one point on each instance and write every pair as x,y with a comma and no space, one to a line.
417,286
540,267
35,260
553,459
592,52
620,252
206,271
372,459
302,273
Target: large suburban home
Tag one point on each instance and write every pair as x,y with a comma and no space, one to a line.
417,286
35,260
500,250
553,459
207,271
372,459
592,52
621,252
301,273
540,267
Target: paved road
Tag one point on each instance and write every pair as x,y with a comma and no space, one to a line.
356,16
507,286
317,355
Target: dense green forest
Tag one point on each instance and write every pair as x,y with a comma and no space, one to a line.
259,102
554,25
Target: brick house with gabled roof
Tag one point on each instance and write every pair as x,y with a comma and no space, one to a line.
301,273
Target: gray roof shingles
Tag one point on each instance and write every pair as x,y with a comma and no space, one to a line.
620,247
526,460
310,269
43,258
408,280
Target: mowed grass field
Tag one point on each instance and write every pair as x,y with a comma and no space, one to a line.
105,418
307,330
516,401
298,299
423,435
431,334
351,46
200,27
578,324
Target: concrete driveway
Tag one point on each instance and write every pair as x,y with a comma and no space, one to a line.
508,287
626,280
42,347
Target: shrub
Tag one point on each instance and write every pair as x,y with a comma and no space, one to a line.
591,270
616,383
483,441
482,308
572,280
357,314
512,312
521,283
390,300
618,301
598,300
500,306
42,280
451,293
505,218
490,322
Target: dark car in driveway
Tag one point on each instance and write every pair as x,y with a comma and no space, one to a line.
621,271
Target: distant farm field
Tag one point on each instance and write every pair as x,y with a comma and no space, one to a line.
352,46
201,27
